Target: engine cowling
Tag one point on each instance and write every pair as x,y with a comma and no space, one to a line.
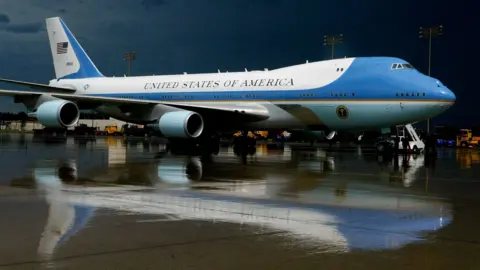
180,124
58,114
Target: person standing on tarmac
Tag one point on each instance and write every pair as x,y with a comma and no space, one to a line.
426,141
396,145
433,143
405,145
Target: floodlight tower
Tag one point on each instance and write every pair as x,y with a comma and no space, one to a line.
430,33
332,41
129,57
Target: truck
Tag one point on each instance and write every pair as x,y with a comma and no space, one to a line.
466,139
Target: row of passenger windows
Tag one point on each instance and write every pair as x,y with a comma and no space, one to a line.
332,94
410,94
341,94
137,97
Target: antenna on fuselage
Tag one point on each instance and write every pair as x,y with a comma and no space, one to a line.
246,70
306,62
218,70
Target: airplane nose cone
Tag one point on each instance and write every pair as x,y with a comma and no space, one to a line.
451,96
445,93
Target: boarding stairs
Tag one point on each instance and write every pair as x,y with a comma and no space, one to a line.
401,131
414,141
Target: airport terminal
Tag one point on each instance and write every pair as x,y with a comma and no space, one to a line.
342,162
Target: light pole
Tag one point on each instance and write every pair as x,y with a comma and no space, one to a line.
129,57
430,32
332,41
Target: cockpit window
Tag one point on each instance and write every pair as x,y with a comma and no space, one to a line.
402,66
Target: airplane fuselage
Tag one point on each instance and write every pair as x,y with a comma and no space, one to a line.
340,94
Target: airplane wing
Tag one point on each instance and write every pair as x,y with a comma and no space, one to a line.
244,112
18,93
43,87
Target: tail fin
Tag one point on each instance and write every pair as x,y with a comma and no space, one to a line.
69,58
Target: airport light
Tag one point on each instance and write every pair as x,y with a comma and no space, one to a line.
429,33
129,57
332,41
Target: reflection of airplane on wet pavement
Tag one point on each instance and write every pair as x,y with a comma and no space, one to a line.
360,220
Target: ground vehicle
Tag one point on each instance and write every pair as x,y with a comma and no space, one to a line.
466,138
388,143
83,129
109,131
445,142
262,135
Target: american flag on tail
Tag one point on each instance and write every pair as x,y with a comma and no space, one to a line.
62,47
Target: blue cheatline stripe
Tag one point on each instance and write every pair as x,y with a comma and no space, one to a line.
87,68
269,95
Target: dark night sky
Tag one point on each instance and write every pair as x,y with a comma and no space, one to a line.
173,36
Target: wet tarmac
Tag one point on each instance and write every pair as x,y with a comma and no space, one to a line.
106,204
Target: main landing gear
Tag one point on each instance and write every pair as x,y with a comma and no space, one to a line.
204,144
244,145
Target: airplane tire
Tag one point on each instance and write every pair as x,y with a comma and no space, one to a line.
381,147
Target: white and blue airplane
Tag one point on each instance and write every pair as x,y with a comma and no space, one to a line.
350,94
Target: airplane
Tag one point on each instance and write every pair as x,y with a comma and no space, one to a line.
323,97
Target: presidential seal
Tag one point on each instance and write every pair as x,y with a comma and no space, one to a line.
342,112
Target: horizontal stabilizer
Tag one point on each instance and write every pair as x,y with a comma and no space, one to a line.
37,86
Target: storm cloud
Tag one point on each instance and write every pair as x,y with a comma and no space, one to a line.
28,28
152,3
4,18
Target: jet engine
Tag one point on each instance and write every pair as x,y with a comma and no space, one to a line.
180,124
58,114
